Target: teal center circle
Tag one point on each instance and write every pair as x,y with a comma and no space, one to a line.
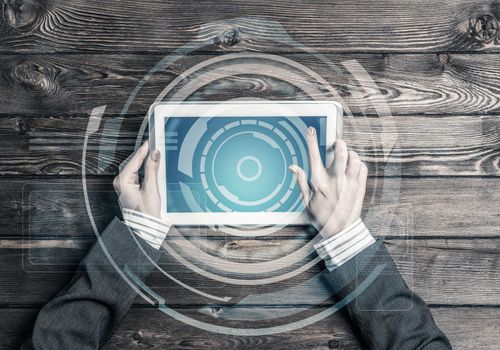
243,178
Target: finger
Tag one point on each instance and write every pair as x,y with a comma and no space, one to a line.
339,158
303,183
360,193
135,163
362,176
315,162
151,173
353,165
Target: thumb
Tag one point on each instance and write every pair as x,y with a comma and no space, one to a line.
303,183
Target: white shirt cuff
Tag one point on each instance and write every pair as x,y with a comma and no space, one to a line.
149,228
343,246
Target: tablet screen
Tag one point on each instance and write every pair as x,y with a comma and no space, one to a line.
236,164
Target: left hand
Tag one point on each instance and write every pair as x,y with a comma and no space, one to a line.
145,198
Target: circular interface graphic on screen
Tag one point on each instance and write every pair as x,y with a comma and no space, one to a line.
236,164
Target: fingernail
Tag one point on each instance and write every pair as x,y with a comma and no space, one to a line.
311,130
292,169
155,155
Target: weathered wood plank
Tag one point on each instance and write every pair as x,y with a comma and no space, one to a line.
452,272
146,328
393,206
479,332
62,26
409,84
331,333
390,146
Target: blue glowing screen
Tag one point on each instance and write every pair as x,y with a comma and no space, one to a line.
236,164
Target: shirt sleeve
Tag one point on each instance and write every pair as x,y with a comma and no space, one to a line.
346,244
149,228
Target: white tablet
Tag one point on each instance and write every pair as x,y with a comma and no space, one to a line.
226,163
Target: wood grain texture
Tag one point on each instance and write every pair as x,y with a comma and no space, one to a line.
76,25
393,206
148,329
441,271
408,84
390,146
144,328
434,157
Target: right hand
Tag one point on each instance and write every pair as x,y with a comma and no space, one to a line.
144,198
336,194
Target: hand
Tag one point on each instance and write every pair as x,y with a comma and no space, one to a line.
145,198
335,196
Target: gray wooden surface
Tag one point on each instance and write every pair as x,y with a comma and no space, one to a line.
440,165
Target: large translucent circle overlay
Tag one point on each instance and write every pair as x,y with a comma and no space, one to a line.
162,65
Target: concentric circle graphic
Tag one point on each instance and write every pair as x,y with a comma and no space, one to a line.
213,157
224,167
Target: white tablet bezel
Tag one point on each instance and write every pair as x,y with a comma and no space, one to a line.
158,112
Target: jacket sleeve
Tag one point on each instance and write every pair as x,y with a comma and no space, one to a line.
386,312
87,311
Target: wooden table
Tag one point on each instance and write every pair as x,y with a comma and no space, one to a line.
437,72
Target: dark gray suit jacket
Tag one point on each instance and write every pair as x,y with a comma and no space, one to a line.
89,309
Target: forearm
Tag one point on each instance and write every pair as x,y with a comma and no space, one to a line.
388,314
85,313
